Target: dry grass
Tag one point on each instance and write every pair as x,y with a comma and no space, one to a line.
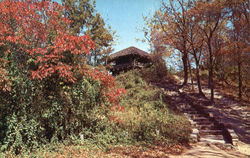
119,151
147,151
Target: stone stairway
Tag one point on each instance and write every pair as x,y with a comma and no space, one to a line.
208,131
205,128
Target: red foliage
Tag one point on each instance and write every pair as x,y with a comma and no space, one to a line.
115,119
118,108
40,29
109,90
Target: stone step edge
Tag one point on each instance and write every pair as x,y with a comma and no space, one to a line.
195,136
228,132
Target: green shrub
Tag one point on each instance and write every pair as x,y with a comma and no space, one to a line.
146,117
38,113
156,72
35,113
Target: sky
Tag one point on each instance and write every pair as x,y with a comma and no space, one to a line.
126,18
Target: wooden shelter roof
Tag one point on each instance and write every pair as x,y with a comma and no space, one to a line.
129,51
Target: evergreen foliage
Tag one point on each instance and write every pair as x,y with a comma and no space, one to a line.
85,18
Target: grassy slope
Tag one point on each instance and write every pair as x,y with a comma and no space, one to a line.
152,129
146,113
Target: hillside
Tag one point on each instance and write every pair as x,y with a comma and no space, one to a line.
142,122
149,123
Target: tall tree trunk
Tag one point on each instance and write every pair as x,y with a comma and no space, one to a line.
185,64
198,75
198,81
89,58
209,79
190,72
211,71
95,59
240,79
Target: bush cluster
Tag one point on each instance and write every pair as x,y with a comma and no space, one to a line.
50,111
37,112
146,117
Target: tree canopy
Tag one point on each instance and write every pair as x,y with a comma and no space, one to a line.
85,19
206,31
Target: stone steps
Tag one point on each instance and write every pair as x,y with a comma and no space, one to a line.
189,110
204,128
193,116
213,139
204,122
210,131
216,137
201,119
207,131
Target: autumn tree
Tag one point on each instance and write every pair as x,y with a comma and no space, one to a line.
158,50
211,16
47,91
85,18
238,42
196,46
215,33
103,38
171,22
